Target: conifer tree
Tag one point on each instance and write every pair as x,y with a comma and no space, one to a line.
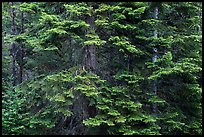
113,68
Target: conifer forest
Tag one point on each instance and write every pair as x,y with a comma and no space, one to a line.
102,68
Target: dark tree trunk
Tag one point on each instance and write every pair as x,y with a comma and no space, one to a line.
22,51
90,50
89,63
130,61
13,46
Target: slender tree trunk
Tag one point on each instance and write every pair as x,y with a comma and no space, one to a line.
13,46
130,61
154,59
200,16
22,50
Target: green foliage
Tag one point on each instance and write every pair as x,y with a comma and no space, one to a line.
58,96
49,96
12,119
29,7
94,40
125,45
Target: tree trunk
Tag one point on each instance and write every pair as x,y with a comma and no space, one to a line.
90,65
154,59
22,51
13,46
90,50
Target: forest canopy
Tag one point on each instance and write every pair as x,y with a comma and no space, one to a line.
102,68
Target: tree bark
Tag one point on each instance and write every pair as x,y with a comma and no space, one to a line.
154,59
22,51
13,46
90,65
90,50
